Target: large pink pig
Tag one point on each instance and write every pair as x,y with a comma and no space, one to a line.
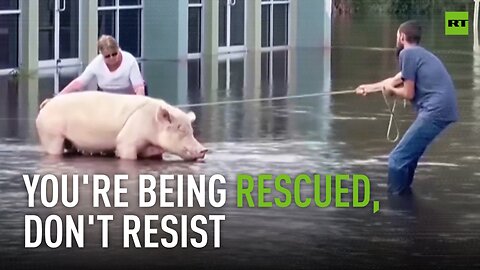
131,126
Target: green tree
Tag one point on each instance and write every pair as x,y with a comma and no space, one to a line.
401,7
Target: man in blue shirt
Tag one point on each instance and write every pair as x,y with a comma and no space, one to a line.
425,82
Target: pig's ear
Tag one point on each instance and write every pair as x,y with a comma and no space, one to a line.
163,114
191,116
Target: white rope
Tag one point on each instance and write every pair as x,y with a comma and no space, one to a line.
265,99
390,109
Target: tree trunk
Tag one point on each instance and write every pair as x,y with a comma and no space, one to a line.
343,7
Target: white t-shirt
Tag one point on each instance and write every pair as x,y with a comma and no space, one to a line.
123,80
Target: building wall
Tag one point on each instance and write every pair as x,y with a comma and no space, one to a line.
165,27
313,23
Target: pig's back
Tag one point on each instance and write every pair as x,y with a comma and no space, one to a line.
93,119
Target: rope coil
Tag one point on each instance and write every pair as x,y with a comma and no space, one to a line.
392,119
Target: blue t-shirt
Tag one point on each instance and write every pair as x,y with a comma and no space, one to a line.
435,95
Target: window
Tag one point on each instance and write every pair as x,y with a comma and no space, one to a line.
194,80
123,20
195,26
9,38
274,72
275,23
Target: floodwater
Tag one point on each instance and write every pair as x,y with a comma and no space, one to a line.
437,226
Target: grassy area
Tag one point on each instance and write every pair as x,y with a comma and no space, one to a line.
401,7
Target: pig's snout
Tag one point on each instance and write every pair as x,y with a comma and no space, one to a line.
196,154
203,152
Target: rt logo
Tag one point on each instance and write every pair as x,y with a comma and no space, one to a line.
456,23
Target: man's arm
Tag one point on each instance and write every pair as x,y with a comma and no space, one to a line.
396,80
406,91
74,85
136,79
378,86
409,66
81,81
140,90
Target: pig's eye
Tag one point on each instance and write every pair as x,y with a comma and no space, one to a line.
180,128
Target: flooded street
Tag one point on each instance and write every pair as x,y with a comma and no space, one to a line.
438,224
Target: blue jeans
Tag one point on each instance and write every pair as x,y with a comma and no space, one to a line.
403,160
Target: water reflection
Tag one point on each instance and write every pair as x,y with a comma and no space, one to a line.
9,107
476,89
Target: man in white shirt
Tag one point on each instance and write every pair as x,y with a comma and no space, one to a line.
115,71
